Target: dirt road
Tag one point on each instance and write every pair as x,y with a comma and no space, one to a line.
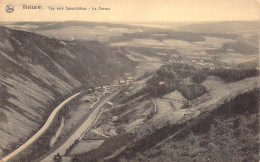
81,129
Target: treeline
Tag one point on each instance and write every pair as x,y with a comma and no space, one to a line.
227,75
232,75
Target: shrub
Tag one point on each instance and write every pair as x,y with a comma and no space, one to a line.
199,77
191,91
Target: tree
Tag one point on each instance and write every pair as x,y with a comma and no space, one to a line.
57,158
199,77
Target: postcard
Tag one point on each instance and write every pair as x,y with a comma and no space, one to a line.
129,80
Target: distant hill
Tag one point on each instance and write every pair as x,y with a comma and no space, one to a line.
57,25
76,30
228,27
37,72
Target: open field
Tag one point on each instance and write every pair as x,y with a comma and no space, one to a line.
176,99
208,43
212,51
167,112
146,64
86,145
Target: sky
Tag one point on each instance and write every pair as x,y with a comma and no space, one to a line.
134,10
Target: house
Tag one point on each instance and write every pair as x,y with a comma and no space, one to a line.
161,83
121,82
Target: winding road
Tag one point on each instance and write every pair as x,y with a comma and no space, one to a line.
41,131
86,125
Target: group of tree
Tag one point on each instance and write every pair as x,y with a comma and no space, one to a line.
191,91
169,77
232,75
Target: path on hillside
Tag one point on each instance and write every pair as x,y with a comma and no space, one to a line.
41,131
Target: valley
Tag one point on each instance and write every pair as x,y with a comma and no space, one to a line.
140,93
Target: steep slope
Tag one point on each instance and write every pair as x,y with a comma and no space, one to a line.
222,125
37,72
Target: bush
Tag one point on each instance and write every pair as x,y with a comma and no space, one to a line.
199,77
166,72
191,91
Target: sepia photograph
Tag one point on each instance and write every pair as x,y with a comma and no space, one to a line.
129,81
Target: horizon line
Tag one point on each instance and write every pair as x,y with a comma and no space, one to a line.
202,21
